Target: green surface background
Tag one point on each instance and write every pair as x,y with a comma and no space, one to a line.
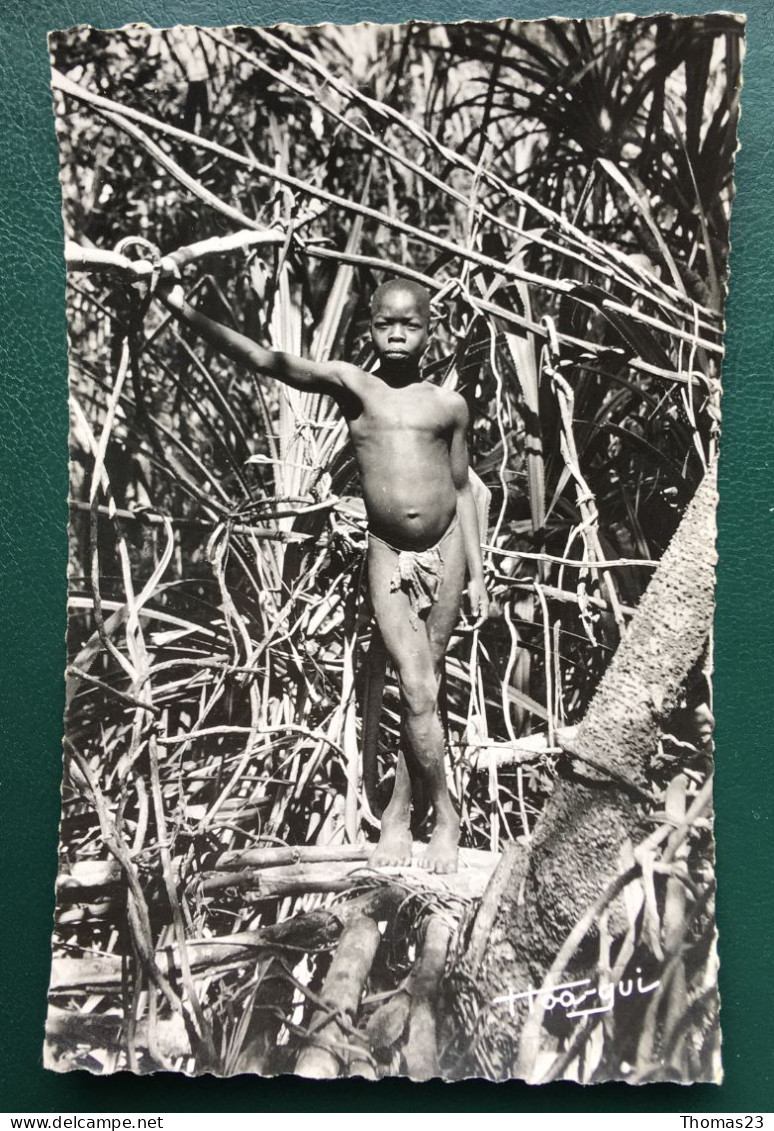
33,530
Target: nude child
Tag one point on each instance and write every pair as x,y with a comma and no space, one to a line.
409,439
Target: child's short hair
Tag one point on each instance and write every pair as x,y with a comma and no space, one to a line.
420,294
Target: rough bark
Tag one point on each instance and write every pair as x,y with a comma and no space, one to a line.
421,1050
596,806
329,1048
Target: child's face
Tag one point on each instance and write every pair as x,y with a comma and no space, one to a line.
399,327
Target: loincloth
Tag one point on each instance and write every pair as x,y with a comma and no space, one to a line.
419,573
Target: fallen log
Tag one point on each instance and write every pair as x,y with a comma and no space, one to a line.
90,880
327,1048
421,1052
277,872
314,931
304,854
276,883
311,931
468,883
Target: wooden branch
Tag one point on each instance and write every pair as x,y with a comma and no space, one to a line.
503,879
104,972
276,883
332,876
275,872
78,258
178,172
421,1050
94,259
304,854
316,930
511,316
89,881
567,596
225,245
124,116
309,931
326,1052
137,906
526,749
149,518
576,563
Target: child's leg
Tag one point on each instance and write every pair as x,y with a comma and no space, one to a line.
441,621
416,654
392,616
394,847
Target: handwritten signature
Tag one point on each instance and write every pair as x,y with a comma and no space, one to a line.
570,996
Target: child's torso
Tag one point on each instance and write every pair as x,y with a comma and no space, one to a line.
402,440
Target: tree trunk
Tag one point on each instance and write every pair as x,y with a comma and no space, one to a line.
596,807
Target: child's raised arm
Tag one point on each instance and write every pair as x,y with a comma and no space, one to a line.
300,373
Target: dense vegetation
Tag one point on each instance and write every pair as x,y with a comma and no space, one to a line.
564,190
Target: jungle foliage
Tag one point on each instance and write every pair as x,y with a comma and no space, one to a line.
563,189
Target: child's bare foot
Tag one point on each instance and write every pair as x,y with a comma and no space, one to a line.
393,849
442,851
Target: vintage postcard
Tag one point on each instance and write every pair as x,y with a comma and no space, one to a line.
395,384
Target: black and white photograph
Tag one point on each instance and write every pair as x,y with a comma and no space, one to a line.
395,388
